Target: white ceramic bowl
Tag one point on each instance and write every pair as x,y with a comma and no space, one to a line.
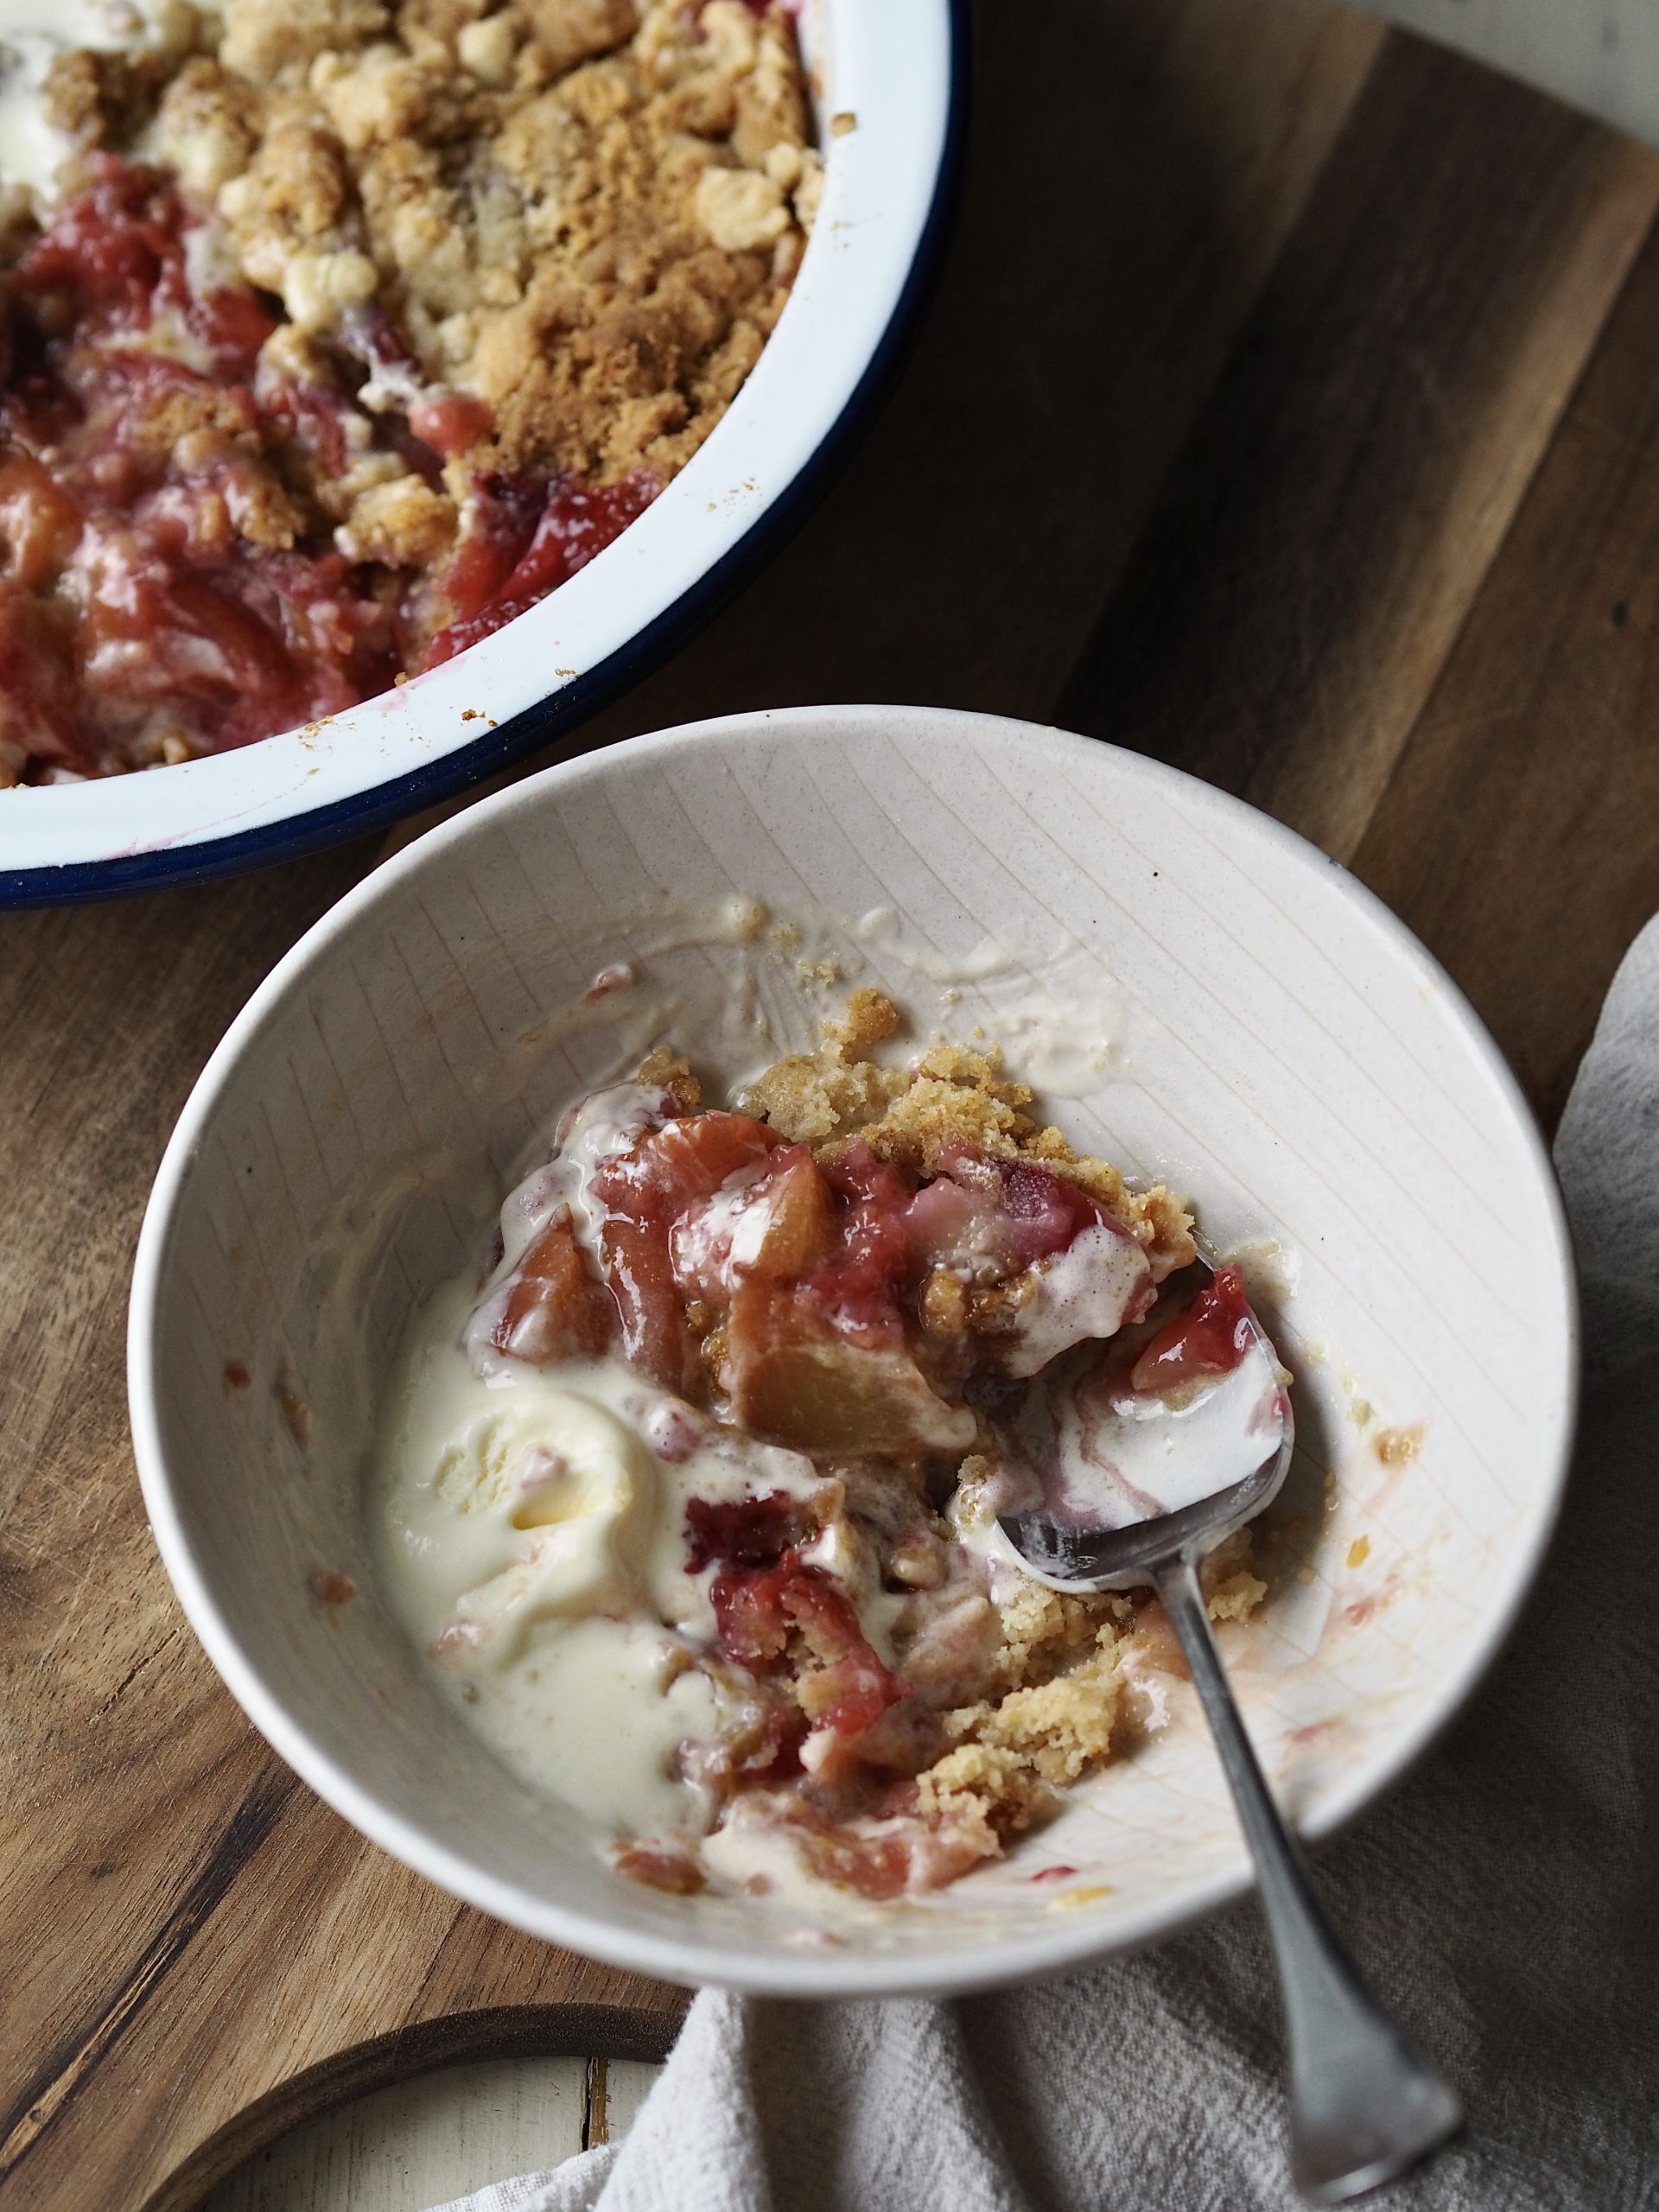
1235,1014
900,72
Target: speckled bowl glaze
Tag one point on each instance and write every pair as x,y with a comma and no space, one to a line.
1230,1011
900,73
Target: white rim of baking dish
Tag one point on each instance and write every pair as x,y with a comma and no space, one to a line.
849,1973
902,74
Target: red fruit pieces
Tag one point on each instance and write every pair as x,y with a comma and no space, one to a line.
525,537
862,1280
112,248
1009,1213
896,1849
139,499
815,1355
961,1226
844,1687
655,1339
116,252
751,1626
642,1194
850,1688
450,423
233,326
1045,1211
744,1532
554,1309
1210,1337
504,512
805,1264
688,1157
876,1866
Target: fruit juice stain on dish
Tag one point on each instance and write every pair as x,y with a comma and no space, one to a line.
691,1502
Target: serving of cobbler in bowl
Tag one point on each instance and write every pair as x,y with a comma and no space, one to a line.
613,1278
338,337
692,1499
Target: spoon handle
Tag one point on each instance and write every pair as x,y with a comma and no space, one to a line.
1365,2105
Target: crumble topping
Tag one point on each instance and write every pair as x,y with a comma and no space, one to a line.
584,216
950,1096
484,278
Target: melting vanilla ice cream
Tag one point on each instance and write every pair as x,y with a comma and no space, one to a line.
532,1524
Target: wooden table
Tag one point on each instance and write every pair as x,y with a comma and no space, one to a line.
1290,409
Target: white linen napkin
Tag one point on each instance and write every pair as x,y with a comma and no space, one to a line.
1505,1900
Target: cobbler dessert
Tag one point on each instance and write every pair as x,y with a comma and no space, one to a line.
692,1497
333,334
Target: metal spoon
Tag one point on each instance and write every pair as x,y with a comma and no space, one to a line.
1365,2105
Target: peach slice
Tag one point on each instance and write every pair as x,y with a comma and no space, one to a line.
554,1309
642,1194
778,1224
794,1379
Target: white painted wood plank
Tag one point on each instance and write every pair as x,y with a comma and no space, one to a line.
1602,55
626,2083
423,2141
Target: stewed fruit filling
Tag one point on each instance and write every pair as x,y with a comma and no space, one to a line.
812,1319
345,331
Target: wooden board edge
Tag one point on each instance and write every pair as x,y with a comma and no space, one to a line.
486,2032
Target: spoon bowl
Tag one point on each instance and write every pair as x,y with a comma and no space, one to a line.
1250,1453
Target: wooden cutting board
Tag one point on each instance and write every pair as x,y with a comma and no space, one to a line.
1289,410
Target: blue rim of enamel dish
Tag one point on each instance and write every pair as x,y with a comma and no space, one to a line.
74,883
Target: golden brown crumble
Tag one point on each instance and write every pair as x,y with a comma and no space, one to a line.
583,213
667,1070
951,1096
1060,1712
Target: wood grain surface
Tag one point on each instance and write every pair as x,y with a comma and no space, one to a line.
1287,410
